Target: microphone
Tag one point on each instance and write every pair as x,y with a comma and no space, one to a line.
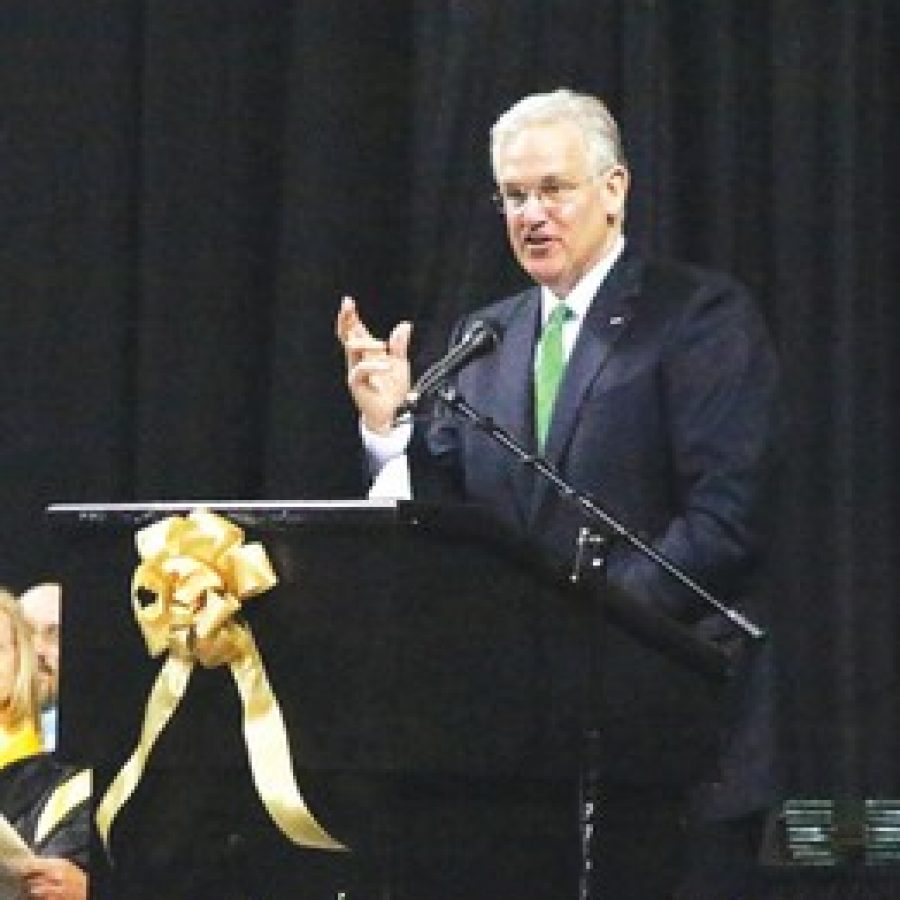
481,337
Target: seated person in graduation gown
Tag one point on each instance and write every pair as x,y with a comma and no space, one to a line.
46,802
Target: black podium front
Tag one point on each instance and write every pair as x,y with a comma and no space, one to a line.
404,643
417,653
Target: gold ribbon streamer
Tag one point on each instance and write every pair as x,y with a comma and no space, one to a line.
199,572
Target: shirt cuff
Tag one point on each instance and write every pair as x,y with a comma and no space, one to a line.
386,455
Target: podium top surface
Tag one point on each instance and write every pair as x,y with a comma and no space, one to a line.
246,512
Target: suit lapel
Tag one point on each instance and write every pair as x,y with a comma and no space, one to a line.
513,368
514,405
607,319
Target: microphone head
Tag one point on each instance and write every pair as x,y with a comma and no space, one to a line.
483,334
481,337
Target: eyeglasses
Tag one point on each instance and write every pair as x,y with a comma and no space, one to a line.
551,194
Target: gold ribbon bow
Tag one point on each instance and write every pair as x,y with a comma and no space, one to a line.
199,571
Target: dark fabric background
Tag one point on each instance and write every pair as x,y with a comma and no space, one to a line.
188,188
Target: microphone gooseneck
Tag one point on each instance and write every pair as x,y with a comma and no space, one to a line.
480,338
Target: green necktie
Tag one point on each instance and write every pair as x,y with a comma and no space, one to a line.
550,367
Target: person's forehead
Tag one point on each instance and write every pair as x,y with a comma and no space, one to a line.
550,145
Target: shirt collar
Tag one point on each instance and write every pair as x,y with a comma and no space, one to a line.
580,297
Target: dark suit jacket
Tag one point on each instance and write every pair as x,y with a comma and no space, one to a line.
668,416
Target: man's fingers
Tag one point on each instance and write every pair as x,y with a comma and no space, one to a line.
359,342
366,368
346,318
398,342
348,325
364,344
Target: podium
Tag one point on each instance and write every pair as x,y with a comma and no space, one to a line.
407,645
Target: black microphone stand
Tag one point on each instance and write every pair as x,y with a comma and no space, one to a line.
455,401
591,549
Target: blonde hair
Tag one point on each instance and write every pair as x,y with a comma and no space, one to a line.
23,703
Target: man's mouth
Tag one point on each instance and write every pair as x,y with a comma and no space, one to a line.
537,241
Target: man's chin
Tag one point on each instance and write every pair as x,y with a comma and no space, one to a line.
543,272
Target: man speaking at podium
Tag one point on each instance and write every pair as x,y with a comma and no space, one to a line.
650,386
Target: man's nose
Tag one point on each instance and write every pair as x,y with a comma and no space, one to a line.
533,209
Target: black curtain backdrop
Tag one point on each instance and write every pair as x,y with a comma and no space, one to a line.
187,189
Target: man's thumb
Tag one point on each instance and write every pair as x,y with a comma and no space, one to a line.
398,342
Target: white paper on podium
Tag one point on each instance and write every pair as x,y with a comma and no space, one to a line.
12,850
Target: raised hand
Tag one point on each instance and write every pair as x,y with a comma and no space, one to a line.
378,371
